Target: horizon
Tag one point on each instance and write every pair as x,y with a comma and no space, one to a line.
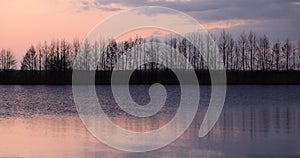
32,22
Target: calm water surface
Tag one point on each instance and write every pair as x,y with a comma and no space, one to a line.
257,121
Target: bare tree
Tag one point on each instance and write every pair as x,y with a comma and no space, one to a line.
30,60
65,59
264,50
246,52
237,56
298,52
39,50
45,55
276,53
7,60
286,49
243,45
252,48
223,47
294,49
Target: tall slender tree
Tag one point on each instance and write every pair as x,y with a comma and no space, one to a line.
276,52
286,49
7,60
252,48
30,60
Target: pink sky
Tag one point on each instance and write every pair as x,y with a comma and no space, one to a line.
32,21
28,22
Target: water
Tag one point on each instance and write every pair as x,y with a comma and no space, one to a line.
257,121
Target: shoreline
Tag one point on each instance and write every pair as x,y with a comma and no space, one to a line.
166,77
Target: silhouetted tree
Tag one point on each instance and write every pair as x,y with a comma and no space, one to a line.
29,60
246,52
243,44
294,49
39,50
264,50
46,57
298,52
286,49
276,52
7,60
223,47
252,48
65,57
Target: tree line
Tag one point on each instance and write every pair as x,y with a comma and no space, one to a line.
249,52
246,52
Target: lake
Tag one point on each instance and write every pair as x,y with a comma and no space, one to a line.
256,121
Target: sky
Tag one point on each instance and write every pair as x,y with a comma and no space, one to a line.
32,21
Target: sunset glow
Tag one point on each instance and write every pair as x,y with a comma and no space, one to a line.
28,22
24,23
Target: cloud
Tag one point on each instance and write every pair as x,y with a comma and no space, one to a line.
226,24
273,16
92,4
84,5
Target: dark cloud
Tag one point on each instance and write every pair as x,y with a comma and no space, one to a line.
277,17
110,9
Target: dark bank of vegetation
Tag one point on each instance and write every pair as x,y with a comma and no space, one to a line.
140,77
248,59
